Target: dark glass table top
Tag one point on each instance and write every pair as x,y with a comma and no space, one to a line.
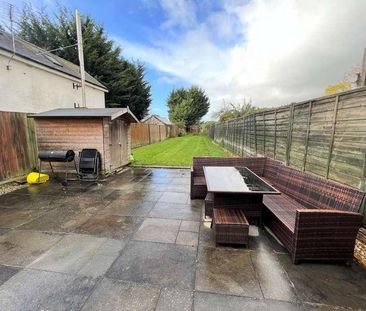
229,179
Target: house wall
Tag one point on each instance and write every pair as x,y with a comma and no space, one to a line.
32,88
153,120
75,134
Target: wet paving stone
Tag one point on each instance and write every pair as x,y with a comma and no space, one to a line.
175,211
327,284
123,208
227,271
42,290
118,295
174,300
6,272
215,302
15,217
21,247
74,188
158,230
167,265
110,226
21,201
272,277
174,197
187,238
80,254
206,235
60,220
191,226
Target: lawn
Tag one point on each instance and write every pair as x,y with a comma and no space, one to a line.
177,151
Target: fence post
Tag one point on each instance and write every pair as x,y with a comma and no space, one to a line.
148,127
363,188
255,134
275,136
331,143
264,135
289,133
307,135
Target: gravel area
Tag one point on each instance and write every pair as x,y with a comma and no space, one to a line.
360,248
9,187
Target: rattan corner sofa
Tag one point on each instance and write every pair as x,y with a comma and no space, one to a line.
314,218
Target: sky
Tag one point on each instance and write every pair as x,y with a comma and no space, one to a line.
271,52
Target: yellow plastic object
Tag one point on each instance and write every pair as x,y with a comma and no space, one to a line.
37,178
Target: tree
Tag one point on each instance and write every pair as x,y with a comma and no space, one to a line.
338,87
187,106
230,110
124,80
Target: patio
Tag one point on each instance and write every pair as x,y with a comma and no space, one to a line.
137,242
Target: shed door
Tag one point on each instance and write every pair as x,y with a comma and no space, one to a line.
119,152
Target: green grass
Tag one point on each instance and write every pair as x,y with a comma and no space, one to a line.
177,151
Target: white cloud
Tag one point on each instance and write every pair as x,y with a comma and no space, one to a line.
287,50
179,13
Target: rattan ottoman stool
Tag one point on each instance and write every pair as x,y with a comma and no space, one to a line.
230,226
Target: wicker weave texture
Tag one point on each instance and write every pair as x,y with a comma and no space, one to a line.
231,226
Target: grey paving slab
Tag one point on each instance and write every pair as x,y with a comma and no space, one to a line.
227,271
21,247
40,290
187,238
110,226
181,181
192,226
117,295
175,211
79,254
15,217
327,284
123,208
12,200
6,272
273,278
60,219
177,188
174,197
308,306
155,263
206,235
3,231
174,300
215,302
158,230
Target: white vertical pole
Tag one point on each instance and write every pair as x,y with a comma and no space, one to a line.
81,57
363,69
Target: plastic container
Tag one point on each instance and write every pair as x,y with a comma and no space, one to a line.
37,178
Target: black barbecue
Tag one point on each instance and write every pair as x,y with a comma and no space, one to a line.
65,156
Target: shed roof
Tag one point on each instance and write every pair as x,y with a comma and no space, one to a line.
162,119
38,55
111,113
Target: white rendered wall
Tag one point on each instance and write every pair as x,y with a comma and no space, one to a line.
28,87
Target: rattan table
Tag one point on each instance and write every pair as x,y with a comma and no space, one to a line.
238,187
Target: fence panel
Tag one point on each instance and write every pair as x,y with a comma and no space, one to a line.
139,134
17,144
144,134
325,136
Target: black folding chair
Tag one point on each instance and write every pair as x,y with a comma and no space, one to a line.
89,164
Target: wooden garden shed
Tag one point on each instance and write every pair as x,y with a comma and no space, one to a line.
105,129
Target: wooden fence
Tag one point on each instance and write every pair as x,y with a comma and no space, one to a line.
325,136
145,134
18,148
